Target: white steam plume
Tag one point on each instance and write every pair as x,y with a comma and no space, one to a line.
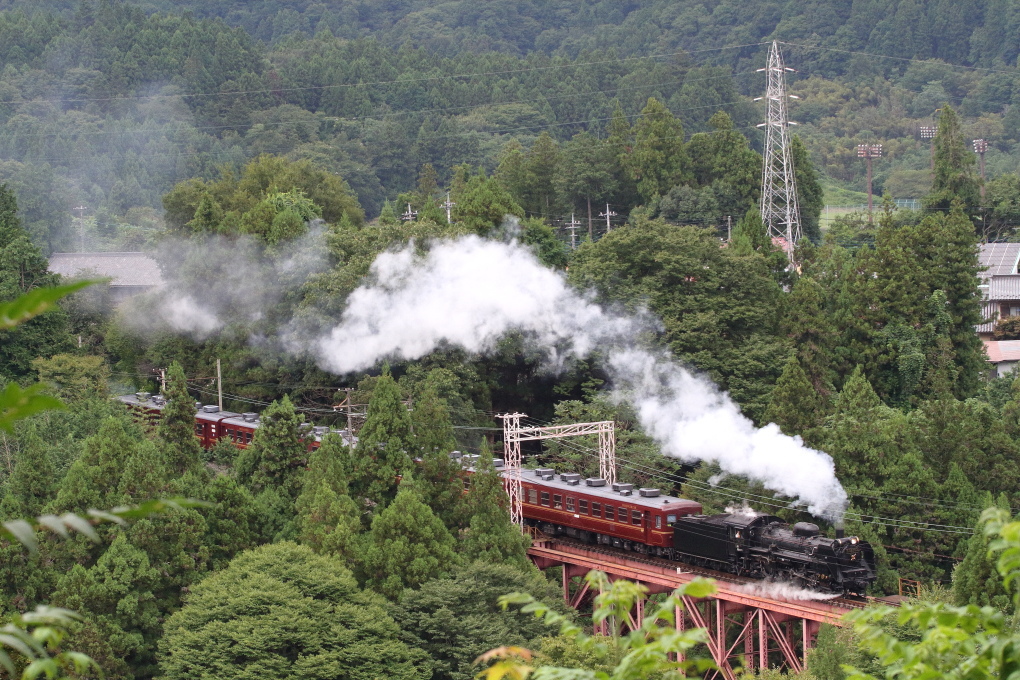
469,292
215,281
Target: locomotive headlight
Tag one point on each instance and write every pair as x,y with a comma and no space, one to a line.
853,541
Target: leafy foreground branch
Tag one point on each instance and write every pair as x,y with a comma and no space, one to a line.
655,649
965,643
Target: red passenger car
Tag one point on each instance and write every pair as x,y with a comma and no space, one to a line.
591,511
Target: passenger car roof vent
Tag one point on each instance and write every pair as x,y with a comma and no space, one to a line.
595,481
622,486
571,478
649,493
250,417
210,408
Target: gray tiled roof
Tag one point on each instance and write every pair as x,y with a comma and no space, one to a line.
1000,258
126,269
1004,287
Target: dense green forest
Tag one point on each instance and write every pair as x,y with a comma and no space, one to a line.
267,153
108,105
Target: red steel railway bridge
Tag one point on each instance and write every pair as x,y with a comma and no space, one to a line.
745,629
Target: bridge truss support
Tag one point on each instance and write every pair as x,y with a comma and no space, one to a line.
514,434
745,630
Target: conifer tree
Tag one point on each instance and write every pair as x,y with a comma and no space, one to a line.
406,546
659,160
954,166
93,479
439,476
116,597
32,482
145,474
794,404
277,455
975,579
233,521
177,423
384,445
491,536
811,329
810,193
543,166
329,520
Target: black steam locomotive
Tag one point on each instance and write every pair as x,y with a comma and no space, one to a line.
764,546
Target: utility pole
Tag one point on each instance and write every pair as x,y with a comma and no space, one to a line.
219,385
448,204
572,225
591,233
779,209
162,379
980,146
347,404
410,214
869,152
729,228
81,224
928,132
607,214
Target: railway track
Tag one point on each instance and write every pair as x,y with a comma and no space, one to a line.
850,603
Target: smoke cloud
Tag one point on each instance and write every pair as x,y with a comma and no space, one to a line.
214,282
469,292
782,591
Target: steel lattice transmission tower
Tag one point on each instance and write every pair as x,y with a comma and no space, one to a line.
779,209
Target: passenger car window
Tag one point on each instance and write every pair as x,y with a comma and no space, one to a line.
658,521
609,512
557,501
582,506
545,498
533,496
596,509
635,517
570,504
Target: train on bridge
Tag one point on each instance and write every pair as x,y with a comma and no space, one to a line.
617,515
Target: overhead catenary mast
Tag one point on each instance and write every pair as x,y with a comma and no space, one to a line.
779,209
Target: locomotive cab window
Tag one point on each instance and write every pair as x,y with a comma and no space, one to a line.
670,519
582,506
545,498
610,512
596,509
533,496
570,504
557,501
635,517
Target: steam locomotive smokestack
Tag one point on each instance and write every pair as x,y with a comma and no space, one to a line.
840,530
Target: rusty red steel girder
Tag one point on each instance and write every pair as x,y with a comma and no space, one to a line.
763,625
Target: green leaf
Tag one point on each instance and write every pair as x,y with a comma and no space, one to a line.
22,532
35,302
17,403
79,524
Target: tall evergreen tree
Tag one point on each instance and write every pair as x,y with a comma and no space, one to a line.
954,167
586,174
543,167
277,456
810,193
32,481
22,268
177,423
439,476
329,520
406,546
491,536
810,327
975,579
659,160
795,405
384,445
